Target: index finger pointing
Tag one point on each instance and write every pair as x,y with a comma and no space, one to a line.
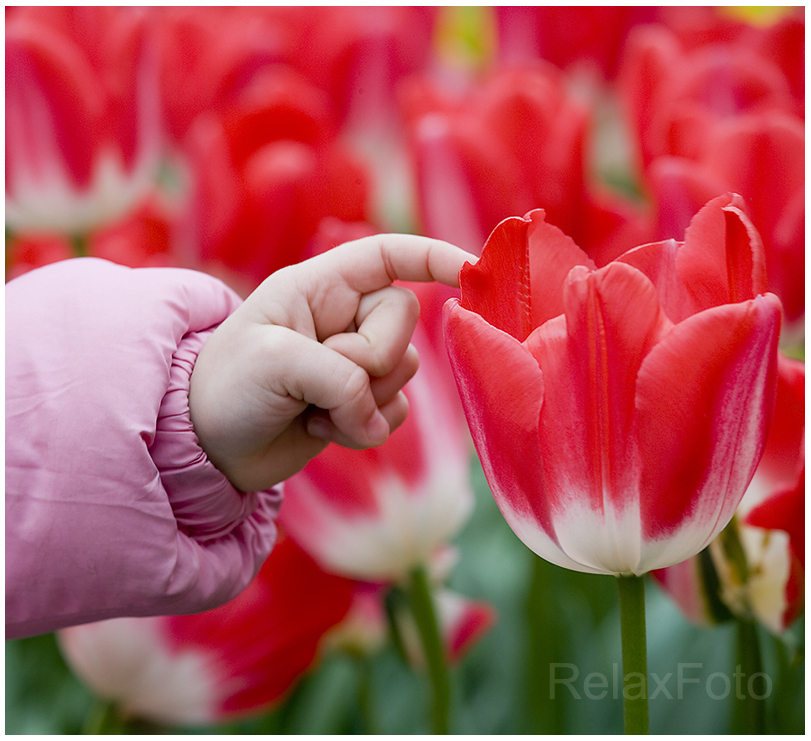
371,263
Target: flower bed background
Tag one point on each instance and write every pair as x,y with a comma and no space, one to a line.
240,140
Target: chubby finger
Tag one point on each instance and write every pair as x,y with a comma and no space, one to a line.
388,395
320,296
387,387
371,263
385,322
321,426
317,375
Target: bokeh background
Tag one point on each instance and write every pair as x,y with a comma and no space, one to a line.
240,140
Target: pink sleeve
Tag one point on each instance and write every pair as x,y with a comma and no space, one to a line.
112,508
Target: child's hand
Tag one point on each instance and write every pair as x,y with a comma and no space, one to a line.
318,353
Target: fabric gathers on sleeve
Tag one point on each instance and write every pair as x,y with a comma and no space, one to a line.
112,508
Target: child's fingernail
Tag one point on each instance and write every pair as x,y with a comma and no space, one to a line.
378,428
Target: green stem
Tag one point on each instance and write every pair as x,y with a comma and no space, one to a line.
634,653
79,244
366,712
422,607
103,719
750,704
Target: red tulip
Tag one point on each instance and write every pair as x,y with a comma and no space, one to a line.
619,413
687,585
358,55
776,33
762,157
82,116
674,97
462,621
210,54
24,253
515,142
567,36
232,661
377,514
143,239
266,173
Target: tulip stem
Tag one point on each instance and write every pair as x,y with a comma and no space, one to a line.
103,719
750,711
425,616
78,243
634,653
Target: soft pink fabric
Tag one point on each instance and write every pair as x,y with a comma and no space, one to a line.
112,508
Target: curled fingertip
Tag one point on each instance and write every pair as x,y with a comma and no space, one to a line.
377,428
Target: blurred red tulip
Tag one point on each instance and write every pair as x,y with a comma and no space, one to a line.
772,517
619,413
723,116
762,157
24,252
266,173
144,238
463,622
776,33
358,55
82,116
517,141
568,36
210,54
695,593
232,661
674,98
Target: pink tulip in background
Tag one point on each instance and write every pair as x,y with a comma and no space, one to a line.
83,136
620,412
233,661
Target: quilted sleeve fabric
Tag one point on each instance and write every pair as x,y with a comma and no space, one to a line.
112,508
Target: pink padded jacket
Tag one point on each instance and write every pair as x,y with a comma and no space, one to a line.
112,508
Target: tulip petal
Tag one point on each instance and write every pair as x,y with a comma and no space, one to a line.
785,510
501,387
658,262
56,104
552,254
722,259
705,397
497,286
591,468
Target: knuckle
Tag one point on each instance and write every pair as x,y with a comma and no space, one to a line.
356,386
